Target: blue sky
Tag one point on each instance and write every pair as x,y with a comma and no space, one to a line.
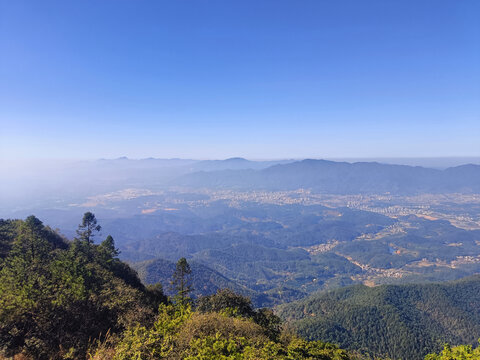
259,79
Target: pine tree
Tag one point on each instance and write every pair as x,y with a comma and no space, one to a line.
108,247
87,229
181,282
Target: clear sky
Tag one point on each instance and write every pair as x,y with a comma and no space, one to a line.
259,79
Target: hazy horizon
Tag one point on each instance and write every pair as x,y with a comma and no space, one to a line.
432,161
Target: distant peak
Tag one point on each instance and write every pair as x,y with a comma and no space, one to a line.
236,159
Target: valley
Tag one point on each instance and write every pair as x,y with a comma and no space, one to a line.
282,245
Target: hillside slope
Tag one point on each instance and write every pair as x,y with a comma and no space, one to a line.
62,299
401,321
205,281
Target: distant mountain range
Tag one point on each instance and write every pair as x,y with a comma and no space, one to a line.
62,183
189,165
235,164
342,178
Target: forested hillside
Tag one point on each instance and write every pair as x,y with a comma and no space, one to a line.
62,299
400,321
57,295
205,281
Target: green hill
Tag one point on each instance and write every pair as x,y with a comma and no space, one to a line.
400,321
56,296
62,299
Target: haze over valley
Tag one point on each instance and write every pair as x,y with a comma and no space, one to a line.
273,230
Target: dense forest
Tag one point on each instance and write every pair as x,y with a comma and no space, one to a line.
63,299
398,321
57,295
281,253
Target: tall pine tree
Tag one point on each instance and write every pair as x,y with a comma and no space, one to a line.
181,282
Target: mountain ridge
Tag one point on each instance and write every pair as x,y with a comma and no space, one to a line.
326,176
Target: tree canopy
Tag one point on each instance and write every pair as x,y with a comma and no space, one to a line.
55,296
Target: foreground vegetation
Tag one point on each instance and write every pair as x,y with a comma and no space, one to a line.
461,352
63,299
180,333
56,295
